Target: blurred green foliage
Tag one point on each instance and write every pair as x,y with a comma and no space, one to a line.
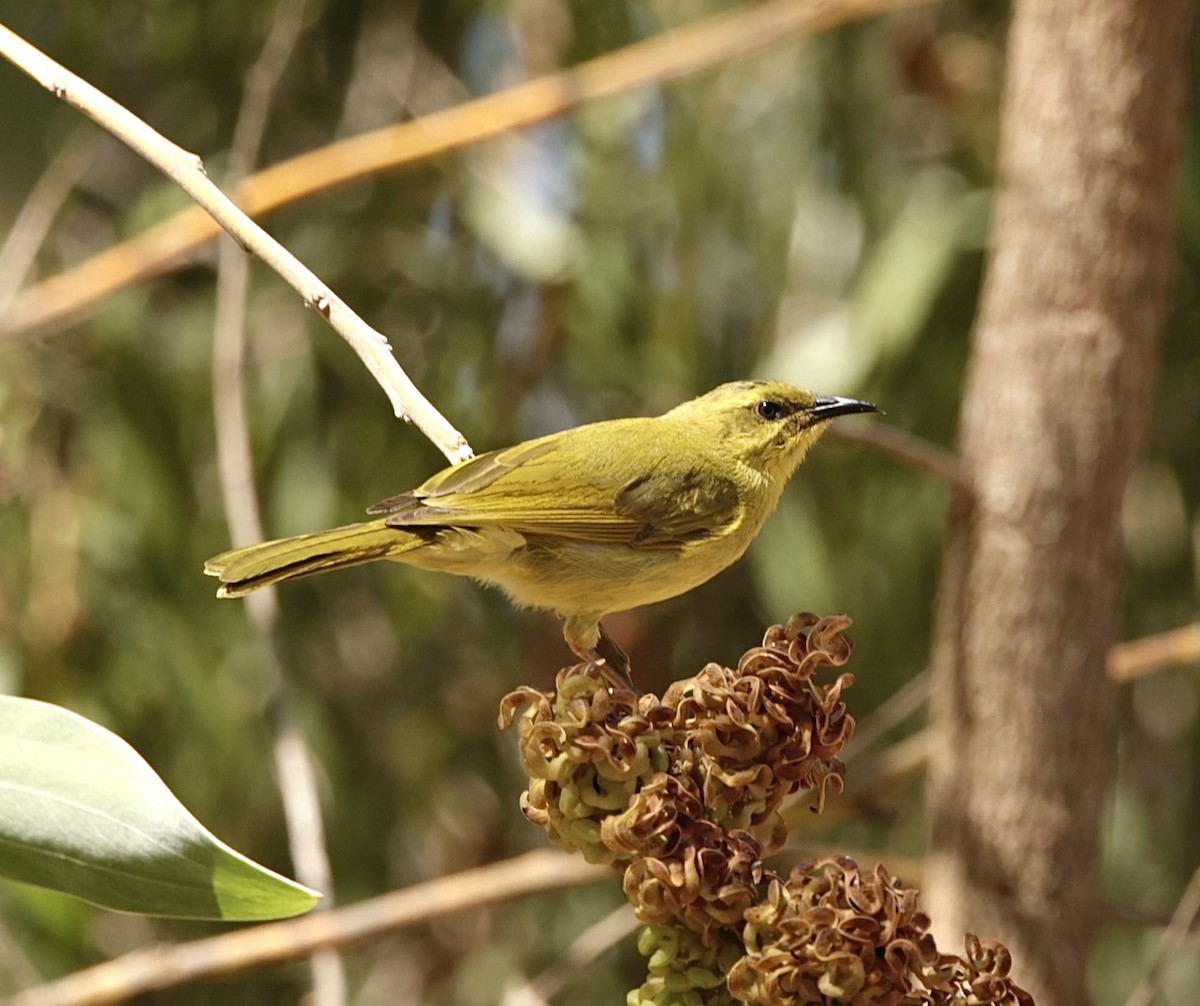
816,213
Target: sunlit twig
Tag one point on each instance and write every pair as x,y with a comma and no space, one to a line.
187,171
1140,657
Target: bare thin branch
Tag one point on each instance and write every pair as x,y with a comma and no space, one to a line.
170,965
600,937
1140,657
914,451
187,171
1182,920
39,211
661,59
293,761
898,707
306,831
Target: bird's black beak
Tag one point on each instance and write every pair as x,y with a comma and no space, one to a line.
830,407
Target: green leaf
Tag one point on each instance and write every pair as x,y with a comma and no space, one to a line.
82,813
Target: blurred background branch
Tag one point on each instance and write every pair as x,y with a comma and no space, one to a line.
162,967
1139,657
28,231
921,455
659,60
1177,932
596,940
293,761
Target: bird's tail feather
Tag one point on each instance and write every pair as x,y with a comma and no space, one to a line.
242,570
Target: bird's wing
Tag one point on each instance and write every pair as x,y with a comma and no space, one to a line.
474,476
566,486
670,510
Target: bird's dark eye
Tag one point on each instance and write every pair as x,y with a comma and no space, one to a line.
769,410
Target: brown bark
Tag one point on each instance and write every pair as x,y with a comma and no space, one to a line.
1056,398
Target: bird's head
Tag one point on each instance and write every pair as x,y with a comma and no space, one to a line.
768,425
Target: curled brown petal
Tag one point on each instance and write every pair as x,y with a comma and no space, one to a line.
853,936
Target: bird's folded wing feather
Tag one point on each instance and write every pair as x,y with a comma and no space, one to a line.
569,487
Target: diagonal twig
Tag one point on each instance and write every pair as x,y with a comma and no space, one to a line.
37,215
1177,931
894,710
600,937
187,170
904,759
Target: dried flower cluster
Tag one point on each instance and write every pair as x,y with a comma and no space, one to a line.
737,741
683,795
754,735
834,934
589,752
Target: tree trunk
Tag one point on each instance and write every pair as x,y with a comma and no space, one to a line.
1056,397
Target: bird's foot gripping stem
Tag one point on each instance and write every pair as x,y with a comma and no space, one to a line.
604,651
614,662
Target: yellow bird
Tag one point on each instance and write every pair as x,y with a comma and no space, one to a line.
585,522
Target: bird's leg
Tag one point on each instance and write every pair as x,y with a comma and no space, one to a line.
590,641
616,661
